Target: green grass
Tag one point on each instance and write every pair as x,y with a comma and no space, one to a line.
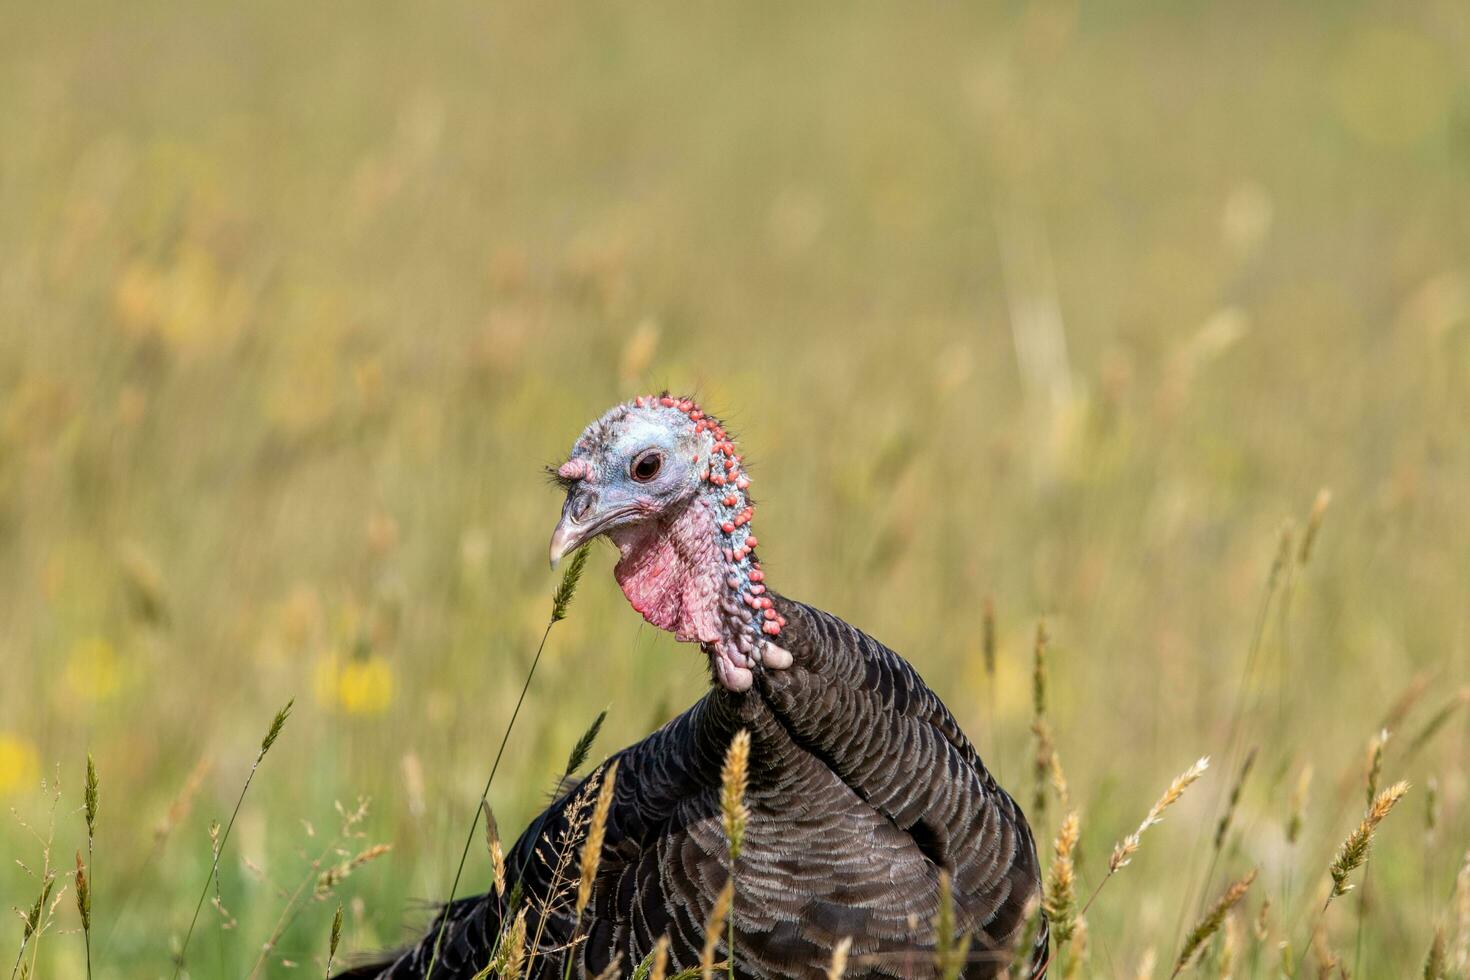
1071,306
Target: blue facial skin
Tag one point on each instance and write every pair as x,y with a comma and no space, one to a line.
640,466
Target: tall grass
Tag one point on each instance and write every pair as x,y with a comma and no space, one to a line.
287,329
278,723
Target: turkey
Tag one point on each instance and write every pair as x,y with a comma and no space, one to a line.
863,790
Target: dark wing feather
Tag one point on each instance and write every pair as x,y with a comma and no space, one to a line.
863,788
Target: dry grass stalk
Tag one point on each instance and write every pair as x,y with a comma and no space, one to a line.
660,959
1045,750
1059,779
577,814
1211,921
612,969
734,778
1287,959
1393,718
987,639
1299,798
492,843
1032,920
1222,829
338,872
838,966
181,805
1147,964
596,830
84,893
1229,948
1436,963
1462,917
1124,850
1060,902
1431,810
1438,721
1282,562
950,950
1373,766
712,928
515,948
1314,525
1328,962
1077,950
1355,847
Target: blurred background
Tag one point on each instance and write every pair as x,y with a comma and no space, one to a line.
1071,306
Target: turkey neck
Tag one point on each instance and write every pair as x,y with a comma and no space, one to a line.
687,574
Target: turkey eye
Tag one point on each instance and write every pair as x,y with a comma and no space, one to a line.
646,467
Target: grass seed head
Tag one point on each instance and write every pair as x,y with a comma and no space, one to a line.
733,782
1060,902
84,895
1211,921
1045,749
90,797
278,723
596,830
1299,797
1314,525
1355,847
1373,767
492,843
1222,829
660,959
567,589
1436,963
584,744
838,966
1462,916
1438,721
515,948
987,635
1124,850
713,927
611,971
336,937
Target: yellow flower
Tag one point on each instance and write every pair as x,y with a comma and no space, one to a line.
19,766
92,671
365,687
358,687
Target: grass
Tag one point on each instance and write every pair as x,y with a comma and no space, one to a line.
1070,306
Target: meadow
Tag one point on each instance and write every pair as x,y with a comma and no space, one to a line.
1074,310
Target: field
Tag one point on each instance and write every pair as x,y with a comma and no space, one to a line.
1075,308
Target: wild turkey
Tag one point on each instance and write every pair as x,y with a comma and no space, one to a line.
862,787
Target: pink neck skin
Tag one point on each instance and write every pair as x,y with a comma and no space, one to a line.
676,575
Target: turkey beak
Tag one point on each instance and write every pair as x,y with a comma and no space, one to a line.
574,527
563,540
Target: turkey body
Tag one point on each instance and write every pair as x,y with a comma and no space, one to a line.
862,790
